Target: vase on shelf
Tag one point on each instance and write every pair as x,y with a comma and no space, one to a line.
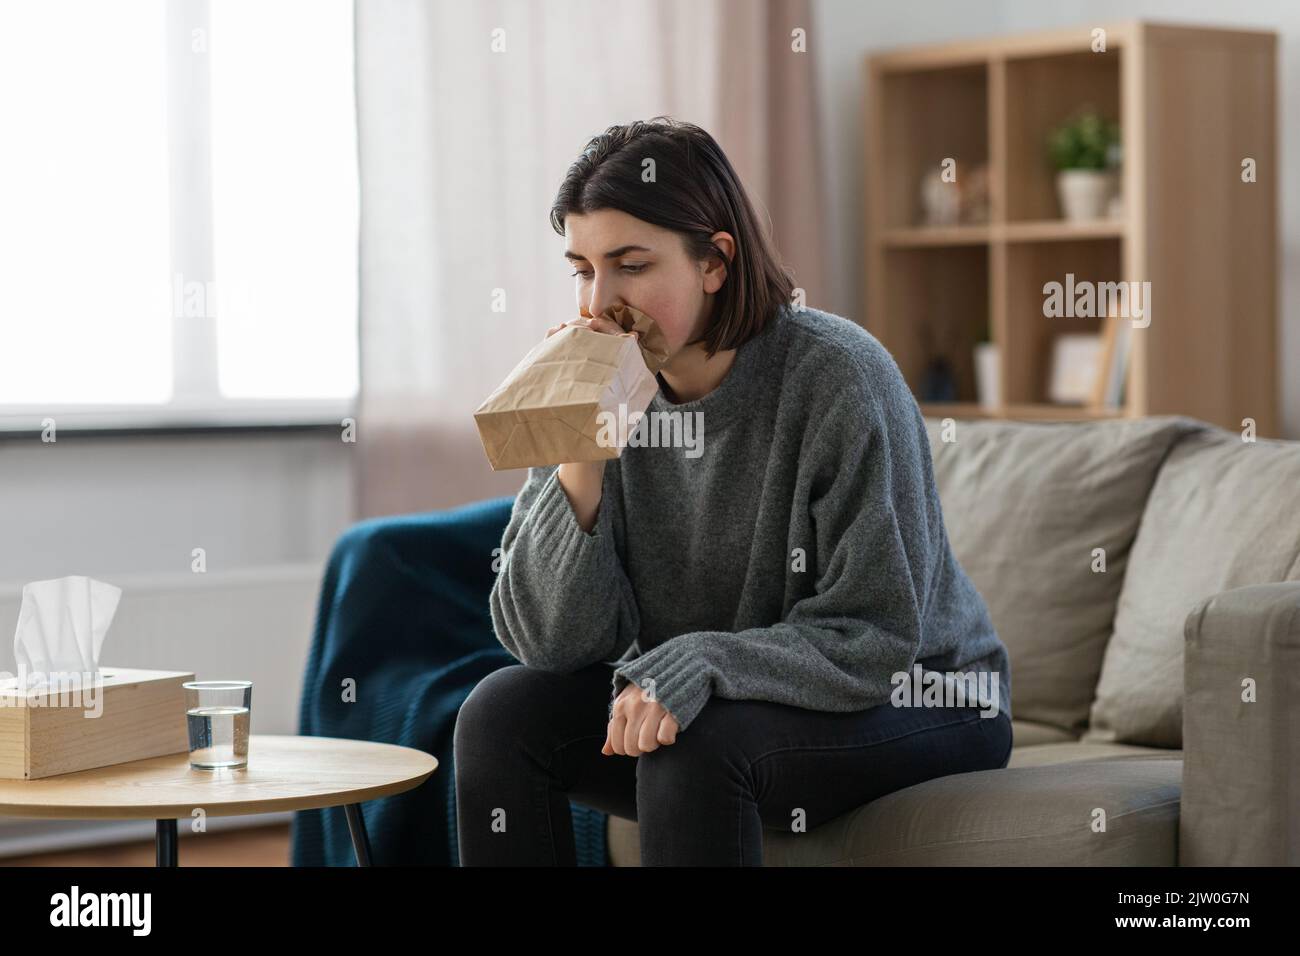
986,375
938,384
1085,194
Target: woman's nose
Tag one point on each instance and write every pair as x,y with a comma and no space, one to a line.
603,296
598,307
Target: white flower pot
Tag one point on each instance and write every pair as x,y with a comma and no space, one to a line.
986,374
1085,193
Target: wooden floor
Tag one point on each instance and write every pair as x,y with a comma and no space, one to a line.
261,846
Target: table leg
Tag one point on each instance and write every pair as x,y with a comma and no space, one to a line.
165,843
357,827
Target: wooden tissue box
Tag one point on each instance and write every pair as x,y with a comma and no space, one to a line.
140,713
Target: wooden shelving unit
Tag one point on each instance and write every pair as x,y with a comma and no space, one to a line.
1192,103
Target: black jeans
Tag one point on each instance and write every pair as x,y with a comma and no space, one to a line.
527,741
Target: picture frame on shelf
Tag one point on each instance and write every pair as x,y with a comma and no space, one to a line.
1076,360
1112,368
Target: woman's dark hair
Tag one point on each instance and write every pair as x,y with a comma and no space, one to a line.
694,192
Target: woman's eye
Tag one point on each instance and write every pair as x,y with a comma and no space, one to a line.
629,269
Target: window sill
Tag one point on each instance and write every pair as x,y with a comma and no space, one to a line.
234,419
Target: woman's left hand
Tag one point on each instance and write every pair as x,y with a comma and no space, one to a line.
638,726
600,323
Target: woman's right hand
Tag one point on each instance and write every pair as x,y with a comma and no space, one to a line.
597,324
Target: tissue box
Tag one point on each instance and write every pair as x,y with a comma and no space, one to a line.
127,715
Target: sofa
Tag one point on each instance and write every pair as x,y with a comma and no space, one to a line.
1145,576
1143,573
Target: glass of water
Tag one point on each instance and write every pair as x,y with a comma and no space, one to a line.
218,715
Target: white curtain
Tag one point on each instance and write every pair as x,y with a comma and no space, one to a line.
469,114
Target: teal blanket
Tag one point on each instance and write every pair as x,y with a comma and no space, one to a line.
403,612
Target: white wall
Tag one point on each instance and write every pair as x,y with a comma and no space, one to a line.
104,506
845,31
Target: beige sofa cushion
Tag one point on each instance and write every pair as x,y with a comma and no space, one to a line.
1223,514
1027,733
1042,755
1016,816
1024,505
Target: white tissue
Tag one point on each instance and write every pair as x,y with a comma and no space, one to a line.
61,628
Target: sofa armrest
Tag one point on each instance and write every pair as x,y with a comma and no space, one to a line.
1241,729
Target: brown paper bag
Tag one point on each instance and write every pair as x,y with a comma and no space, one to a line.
562,401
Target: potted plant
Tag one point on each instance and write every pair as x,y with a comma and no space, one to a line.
1085,152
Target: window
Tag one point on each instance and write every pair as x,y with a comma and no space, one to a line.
178,213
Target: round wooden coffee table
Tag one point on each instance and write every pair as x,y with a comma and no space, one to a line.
283,773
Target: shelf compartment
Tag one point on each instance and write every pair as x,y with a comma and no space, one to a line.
1042,93
936,306
955,101
1030,333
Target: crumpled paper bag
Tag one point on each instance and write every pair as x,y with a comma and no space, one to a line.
552,408
61,628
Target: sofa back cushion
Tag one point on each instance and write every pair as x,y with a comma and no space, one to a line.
1025,504
1223,513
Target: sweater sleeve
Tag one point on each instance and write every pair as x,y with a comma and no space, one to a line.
561,600
838,648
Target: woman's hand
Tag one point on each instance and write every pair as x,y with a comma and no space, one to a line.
638,726
582,481
597,324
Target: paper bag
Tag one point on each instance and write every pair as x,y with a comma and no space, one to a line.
566,399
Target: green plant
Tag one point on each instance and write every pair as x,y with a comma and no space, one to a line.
1087,141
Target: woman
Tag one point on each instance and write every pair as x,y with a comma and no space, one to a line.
755,611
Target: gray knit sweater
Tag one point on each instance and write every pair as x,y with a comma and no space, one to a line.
793,550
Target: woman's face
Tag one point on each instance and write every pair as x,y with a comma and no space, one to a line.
621,260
